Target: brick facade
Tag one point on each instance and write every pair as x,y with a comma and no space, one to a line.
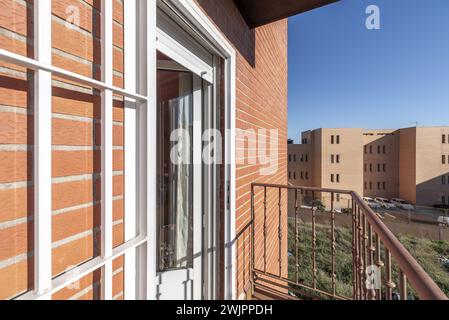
261,86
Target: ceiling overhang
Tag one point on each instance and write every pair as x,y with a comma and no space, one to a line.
259,12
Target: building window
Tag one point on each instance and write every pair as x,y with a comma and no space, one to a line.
443,159
332,158
384,167
307,158
307,175
338,178
366,167
371,185
302,158
365,148
338,139
443,138
378,186
332,139
365,185
378,167
332,177
384,185
338,158
370,167
371,149
338,197
378,149
384,149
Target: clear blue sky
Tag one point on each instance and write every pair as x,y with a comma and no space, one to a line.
343,75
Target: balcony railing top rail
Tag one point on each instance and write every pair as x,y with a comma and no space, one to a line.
368,234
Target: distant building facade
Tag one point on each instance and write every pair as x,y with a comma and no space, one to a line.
410,163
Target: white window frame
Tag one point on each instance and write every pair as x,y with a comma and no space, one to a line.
139,91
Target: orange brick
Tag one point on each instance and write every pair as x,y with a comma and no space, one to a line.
70,194
16,204
16,279
15,166
72,254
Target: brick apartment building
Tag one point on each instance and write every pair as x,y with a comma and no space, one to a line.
89,90
409,163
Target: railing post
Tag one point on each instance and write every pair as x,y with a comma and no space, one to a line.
403,285
379,264
334,275
354,252
296,236
390,285
372,251
280,231
362,285
265,230
314,268
252,241
365,253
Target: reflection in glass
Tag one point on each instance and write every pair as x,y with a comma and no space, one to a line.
175,169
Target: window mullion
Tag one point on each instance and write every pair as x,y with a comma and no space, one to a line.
106,146
42,151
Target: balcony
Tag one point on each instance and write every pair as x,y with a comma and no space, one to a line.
350,256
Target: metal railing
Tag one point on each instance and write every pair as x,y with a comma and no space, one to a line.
374,248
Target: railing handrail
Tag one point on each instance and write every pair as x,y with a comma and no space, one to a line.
418,277
421,282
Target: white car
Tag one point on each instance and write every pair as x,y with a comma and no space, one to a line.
402,204
371,203
443,220
385,203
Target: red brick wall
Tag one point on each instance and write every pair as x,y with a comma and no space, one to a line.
261,103
76,153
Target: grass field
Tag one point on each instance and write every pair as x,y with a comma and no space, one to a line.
425,251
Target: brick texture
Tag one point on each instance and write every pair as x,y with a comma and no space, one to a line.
261,91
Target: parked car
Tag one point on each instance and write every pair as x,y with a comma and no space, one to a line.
402,204
385,203
443,220
371,203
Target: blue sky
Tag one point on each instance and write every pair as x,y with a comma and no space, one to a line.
344,75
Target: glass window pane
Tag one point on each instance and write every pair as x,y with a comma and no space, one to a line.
16,181
175,169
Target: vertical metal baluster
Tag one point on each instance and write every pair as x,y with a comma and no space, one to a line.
252,241
280,232
403,285
334,275
360,254
314,269
379,264
372,251
390,285
354,251
296,236
265,230
365,252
